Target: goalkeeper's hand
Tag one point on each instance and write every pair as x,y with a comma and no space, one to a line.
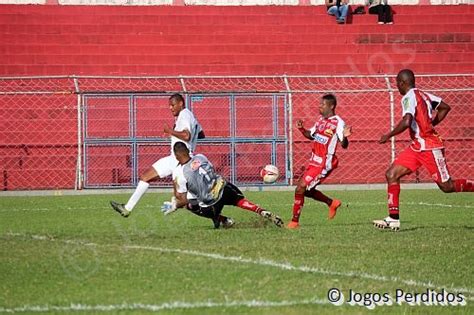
169,206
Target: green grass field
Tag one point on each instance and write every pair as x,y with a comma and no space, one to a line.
74,253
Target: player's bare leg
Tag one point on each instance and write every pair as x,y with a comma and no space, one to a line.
142,187
333,204
457,185
393,176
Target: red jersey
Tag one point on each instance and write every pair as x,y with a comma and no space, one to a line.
326,132
421,105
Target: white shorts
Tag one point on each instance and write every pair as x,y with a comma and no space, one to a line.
165,166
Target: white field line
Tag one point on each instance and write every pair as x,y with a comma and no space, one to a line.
375,204
268,262
156,307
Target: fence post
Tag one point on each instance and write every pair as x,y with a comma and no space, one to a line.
78,183
392,116
290,129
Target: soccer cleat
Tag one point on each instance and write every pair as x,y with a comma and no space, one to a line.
333,208
272,217
120,208
387,223
293,225
228,223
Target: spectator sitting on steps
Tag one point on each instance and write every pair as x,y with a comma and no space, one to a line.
382,9
338,8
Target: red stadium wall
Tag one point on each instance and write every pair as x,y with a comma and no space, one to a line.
166,40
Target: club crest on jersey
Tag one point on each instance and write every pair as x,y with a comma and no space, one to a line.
195,165
329,132
321,139
406,103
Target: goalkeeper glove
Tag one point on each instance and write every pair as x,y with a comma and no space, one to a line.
169,206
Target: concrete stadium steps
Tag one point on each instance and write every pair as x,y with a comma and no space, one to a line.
41,40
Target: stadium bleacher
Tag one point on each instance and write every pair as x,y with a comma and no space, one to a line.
151,40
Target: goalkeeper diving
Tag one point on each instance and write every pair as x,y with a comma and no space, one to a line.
205,193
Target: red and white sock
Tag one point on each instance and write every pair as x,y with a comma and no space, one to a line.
393,200
298,204
247,205
464,185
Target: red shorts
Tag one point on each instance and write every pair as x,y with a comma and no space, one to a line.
433,160
315,174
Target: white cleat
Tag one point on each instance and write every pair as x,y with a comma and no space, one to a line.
387,223
272,217
228,223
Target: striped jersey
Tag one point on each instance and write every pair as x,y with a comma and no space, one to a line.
421,106
325,133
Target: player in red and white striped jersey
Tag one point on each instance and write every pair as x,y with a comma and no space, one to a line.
421,112
328,130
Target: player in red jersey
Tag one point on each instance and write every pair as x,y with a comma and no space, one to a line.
328,130
426,149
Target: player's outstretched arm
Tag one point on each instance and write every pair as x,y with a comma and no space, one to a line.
442,111
346,133
399,128
306,133
181,200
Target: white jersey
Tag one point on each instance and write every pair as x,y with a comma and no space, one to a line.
186,121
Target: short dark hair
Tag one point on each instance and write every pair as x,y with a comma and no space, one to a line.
177,97
180,147
330,98
407,75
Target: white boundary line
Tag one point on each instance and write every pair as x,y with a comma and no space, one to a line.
117,191
357,203
266,262
156,307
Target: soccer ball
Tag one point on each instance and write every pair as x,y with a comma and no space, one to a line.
269,173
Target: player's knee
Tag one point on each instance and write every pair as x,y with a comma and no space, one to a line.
390,175
300,188
149,175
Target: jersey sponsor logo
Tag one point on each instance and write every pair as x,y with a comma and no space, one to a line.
329,132
321,139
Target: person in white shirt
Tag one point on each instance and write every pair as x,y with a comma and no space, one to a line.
204,192
187,130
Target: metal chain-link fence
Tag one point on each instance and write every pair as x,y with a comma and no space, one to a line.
83,131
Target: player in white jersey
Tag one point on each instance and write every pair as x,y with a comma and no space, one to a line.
199,188
186,130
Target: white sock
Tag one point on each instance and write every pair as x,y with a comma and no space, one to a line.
137,194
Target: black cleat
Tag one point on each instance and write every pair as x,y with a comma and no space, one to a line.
120,208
